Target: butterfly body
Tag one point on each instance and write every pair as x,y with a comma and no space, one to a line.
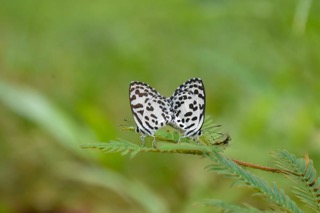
185,109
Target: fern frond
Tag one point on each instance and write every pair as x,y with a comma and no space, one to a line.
164,134
162,137
211,134
229,208
125,147
276,196
306,183
120,145
169,135
209,125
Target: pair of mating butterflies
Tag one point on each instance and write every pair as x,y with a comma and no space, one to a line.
184,110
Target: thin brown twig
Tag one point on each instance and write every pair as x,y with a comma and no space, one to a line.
264,168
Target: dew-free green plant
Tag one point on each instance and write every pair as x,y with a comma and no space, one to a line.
211,145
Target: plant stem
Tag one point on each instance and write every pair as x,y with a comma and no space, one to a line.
264,168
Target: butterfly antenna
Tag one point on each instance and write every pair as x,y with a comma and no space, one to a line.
196,139
154,143
130,122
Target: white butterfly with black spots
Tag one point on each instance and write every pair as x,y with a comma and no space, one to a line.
188,105
185,109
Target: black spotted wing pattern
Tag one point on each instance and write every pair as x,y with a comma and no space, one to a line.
188,104
185,109
150,110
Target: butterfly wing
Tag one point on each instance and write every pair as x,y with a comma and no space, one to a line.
150,110
188,106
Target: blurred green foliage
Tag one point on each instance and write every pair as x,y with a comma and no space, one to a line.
65,68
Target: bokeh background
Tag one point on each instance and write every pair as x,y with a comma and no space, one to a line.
65,68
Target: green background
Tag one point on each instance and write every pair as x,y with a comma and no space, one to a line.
65,69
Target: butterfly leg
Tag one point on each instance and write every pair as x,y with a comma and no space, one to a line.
154,143
142,139
179,141
195,139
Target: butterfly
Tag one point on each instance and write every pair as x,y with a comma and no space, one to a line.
184,110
